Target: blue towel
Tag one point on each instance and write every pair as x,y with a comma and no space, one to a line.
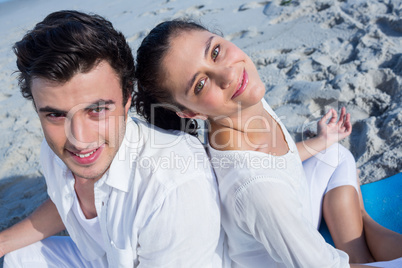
383,202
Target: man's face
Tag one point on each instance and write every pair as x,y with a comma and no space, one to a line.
84,119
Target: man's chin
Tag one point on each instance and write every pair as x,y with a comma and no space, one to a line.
87,173
92,171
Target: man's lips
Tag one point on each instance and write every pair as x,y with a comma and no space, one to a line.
82,155
86,157
242,85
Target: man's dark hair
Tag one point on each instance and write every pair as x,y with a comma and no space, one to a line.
69,42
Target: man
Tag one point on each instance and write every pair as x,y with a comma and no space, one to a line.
125,199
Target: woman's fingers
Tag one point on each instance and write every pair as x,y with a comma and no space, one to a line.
331,115
334,117
342,116
326,117
343,122
348,124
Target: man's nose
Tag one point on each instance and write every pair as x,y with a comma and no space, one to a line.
78,132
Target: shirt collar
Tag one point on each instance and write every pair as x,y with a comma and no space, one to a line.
122,169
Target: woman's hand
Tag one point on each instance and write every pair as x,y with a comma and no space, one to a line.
335,129
330,130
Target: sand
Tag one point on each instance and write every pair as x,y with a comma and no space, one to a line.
312,55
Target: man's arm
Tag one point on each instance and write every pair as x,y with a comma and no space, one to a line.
328,133
43,222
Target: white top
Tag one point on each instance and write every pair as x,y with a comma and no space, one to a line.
91,226
157,205
266,210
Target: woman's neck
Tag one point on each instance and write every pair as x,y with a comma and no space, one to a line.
243,120
230,132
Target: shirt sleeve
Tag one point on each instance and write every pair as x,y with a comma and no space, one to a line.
184,230
270,211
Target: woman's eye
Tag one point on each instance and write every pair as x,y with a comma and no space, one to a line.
199,86
215,52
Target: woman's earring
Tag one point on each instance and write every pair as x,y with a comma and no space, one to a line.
200,116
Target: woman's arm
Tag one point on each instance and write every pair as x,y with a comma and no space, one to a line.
328,133
43,222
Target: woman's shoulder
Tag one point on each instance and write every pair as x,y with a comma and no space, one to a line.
228,140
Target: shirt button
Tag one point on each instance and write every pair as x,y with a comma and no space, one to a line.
103,203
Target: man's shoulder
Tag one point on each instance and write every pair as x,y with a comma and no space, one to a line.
170,157
157,140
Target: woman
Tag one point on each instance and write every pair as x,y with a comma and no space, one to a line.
270,211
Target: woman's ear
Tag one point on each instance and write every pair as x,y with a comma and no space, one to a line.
191,114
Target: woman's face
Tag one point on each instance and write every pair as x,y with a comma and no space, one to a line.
210,76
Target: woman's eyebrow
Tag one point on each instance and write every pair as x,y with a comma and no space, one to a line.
191,82
207,48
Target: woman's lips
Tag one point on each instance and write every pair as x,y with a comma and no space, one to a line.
242,86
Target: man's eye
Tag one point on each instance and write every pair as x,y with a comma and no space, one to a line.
98,109
199,86
215,52
55,115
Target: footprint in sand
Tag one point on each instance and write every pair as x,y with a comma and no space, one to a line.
386,81
321,6
277,12
395,64
4,96
196,11
252,5
244,33
157,12
139,35
390,27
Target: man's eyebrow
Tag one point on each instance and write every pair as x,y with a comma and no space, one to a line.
48,109
100,102
207,48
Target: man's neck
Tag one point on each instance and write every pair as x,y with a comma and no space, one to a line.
84,189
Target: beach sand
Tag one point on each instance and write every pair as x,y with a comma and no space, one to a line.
312,55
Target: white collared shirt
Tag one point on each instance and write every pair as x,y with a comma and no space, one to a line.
157,204
266,210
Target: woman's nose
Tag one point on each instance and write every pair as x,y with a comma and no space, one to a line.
225,76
